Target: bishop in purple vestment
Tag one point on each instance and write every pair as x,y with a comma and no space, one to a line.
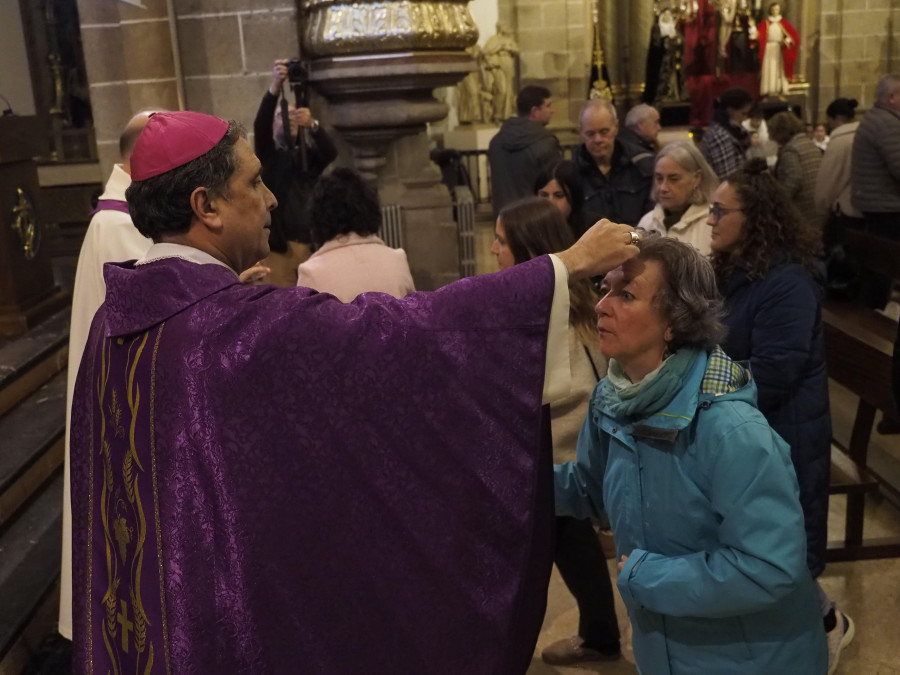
268,480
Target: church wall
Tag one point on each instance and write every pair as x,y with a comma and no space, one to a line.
226,49
554,37
858,46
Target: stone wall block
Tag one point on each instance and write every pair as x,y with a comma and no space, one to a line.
528,18
185,8
553,14
152,41
112,109
141,96
854,48
827,78
234,97
865,22
829,49
94,12
556,64
831,25
103,52
107,155
881,4
269,36
875,47
210,46
828,5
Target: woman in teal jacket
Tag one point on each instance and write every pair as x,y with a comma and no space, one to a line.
699,490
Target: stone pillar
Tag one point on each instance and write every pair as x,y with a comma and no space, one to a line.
378,63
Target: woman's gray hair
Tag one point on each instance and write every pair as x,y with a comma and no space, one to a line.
688,297
686,155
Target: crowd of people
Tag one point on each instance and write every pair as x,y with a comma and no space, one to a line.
310,442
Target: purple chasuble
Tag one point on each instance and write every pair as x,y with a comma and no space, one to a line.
111,205
266,480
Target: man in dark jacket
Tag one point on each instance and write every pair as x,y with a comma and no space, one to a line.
522,147
875,164
616,176
642,128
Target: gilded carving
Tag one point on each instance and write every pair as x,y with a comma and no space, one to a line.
342,28
25,225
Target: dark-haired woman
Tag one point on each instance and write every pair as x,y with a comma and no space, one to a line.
561,184
350,258
765,258
725,141
525,230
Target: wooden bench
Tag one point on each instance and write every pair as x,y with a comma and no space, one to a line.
859,344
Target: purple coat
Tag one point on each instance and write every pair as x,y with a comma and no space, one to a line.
266,480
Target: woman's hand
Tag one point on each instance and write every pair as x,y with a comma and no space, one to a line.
621,563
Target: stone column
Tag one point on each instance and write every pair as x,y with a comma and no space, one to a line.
378,63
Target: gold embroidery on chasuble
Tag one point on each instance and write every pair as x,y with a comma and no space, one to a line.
127,491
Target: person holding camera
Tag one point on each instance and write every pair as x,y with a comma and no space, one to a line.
293,155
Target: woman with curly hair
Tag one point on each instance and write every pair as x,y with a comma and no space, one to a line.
765,258
525,230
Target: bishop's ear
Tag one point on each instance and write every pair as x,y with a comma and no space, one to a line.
204,206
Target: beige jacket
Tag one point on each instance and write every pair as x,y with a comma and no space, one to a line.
567,414
691,229
833,181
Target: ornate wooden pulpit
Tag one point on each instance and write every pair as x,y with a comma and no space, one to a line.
28,293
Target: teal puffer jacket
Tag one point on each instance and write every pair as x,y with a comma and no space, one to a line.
703,500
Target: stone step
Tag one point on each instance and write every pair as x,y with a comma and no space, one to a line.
29,361
32,437
30,549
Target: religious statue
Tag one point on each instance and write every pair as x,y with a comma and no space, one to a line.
500,53
470,92
664,74
778,47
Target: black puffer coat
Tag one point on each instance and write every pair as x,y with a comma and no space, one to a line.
775,323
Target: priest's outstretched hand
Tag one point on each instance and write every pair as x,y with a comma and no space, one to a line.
605,246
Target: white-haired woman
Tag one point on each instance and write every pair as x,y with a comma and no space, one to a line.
683,185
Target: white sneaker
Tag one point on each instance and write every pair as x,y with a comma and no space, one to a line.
838,638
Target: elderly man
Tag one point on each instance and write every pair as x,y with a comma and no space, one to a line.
269,480
110,237
875,163
616,176
642,128
522,147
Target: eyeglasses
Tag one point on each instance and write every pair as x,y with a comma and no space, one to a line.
716,210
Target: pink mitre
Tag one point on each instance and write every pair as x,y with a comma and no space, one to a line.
172,139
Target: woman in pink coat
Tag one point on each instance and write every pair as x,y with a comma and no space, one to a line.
350,258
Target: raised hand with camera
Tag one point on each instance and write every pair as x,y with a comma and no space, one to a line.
291,163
